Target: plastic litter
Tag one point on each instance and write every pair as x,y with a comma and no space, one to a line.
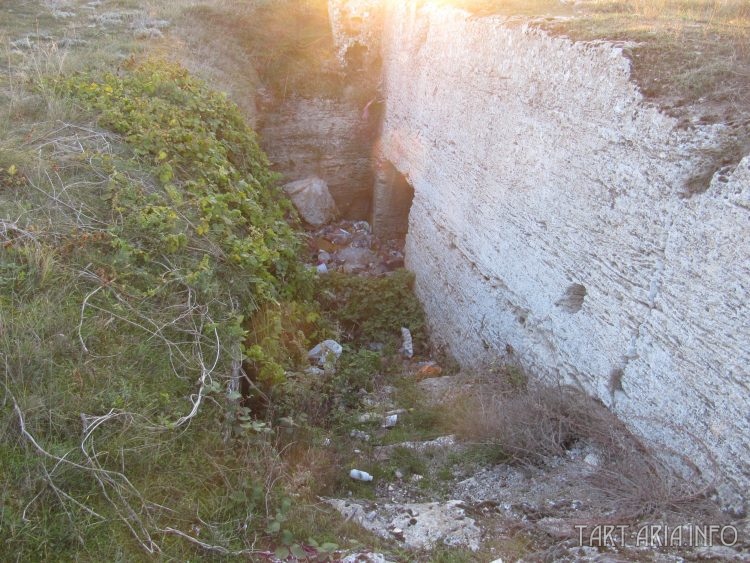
358,475
390,421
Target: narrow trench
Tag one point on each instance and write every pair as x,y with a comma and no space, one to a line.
334,141
464,465
566,441
373,247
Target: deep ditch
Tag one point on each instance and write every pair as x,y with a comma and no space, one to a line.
509,494
464,490
431,489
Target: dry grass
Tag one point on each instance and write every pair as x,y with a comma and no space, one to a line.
719,11
634,479
209,50
284,46
683,52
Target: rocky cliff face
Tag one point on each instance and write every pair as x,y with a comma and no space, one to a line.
324,137
553,222
329,130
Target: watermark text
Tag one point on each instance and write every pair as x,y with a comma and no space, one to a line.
657,535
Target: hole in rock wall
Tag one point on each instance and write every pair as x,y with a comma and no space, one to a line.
356,57
572,300
352,25
392,199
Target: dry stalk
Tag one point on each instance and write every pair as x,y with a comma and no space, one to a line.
116,480
217,548
635,479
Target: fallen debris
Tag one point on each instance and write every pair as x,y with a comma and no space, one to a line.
328,350
313,200
350,246
355,259
360,435
416,525
407,348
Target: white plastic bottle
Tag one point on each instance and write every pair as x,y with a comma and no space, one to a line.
360,475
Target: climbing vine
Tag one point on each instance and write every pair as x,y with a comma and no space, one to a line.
212,218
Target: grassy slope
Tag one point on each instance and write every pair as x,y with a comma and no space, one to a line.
144,251
132,249
139,225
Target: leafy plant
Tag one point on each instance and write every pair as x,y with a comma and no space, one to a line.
373,310
215,214
144,251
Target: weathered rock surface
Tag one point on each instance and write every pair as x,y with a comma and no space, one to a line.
354,27
326,138
416,525
355,259
552,223
313,200
442,443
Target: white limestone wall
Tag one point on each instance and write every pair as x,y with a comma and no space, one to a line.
538,169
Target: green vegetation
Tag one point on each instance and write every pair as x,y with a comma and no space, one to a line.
419,423
146,259
327,401
127,270
366,316
452,555
148,263
214,229
373,310
408,461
